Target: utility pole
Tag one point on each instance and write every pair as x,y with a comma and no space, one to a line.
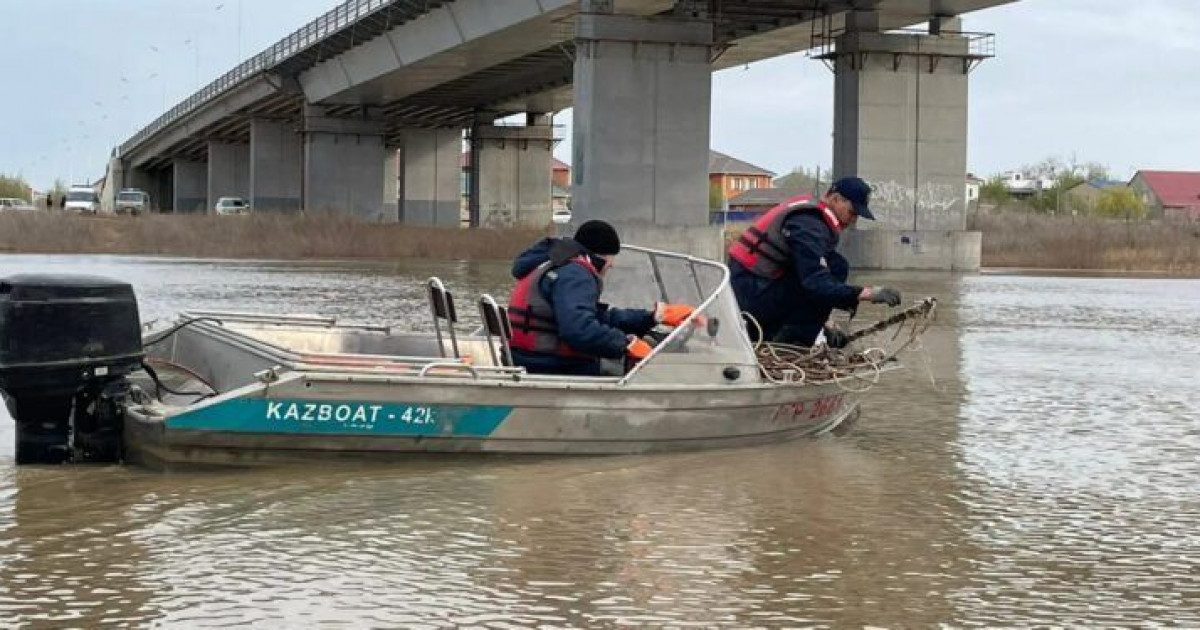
239,32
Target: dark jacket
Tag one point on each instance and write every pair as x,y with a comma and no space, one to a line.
584,323
802,299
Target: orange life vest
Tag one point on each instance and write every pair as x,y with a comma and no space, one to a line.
763,249
534,328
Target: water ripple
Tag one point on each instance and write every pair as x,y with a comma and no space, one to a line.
1035,466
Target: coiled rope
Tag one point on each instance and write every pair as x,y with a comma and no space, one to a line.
854,371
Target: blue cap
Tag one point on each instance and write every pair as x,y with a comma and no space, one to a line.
857,192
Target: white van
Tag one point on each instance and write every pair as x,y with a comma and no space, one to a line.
132,201
82,199
9,203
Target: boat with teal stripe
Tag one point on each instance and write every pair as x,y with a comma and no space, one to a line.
252,388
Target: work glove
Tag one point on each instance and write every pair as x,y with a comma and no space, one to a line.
671,314
884,295
637,349
836,338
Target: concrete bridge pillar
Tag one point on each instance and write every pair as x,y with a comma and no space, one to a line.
643,94
276,163
228,171
427,178
344,163
114,180
900,122
392,184
511,171
190,186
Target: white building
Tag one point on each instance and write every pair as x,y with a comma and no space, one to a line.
1020,185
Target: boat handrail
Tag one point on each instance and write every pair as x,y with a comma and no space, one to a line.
449,365
259,318
281,352
700,308
302,362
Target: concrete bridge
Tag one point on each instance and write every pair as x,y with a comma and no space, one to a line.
363,111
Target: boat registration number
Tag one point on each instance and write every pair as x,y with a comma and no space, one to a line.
354,413
812,409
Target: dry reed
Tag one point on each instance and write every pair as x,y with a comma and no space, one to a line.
256,236
1033,241
1046,242
1009,240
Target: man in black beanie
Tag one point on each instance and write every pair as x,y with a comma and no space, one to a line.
559,324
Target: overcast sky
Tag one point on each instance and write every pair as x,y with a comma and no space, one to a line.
1110,81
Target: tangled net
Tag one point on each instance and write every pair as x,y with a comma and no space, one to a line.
852,370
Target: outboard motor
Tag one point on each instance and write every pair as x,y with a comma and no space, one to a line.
67,344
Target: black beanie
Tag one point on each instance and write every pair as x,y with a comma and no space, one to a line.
599,238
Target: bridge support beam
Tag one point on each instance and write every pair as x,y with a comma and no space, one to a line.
344,163
228,171
643,94
190,187
428,178
276,163
511,171
900,122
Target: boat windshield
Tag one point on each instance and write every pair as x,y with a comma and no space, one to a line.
697,353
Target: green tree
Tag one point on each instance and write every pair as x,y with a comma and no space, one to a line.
716,196
1066,174
1079,205
815,180
14,186
1121,203
993,191
1066,170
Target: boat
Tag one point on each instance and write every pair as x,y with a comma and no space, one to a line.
239,388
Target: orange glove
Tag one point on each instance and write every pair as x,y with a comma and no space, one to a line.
672,314
637,349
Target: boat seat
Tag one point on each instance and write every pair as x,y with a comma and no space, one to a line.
497,329
441,307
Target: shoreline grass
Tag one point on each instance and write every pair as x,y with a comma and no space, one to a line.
1016,241
258,236
1032,242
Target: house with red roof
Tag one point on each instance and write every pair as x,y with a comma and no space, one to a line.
733,176
1169,195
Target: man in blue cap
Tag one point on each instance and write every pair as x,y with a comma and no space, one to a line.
787,273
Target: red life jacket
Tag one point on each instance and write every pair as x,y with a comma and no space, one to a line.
534,328
762,248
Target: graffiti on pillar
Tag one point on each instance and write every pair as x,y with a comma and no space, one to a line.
894,200
497,216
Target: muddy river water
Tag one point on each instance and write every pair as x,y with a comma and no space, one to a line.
1037,463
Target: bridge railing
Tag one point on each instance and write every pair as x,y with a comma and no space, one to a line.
979,45
309,35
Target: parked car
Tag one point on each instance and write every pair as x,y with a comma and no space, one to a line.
561,216
132,201
231,206
9,203
82,199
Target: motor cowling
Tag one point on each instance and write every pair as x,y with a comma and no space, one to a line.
67,344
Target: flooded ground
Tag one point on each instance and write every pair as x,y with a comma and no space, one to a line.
1036,465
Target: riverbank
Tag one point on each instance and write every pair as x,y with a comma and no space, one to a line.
1072,244
258,236
1010,240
